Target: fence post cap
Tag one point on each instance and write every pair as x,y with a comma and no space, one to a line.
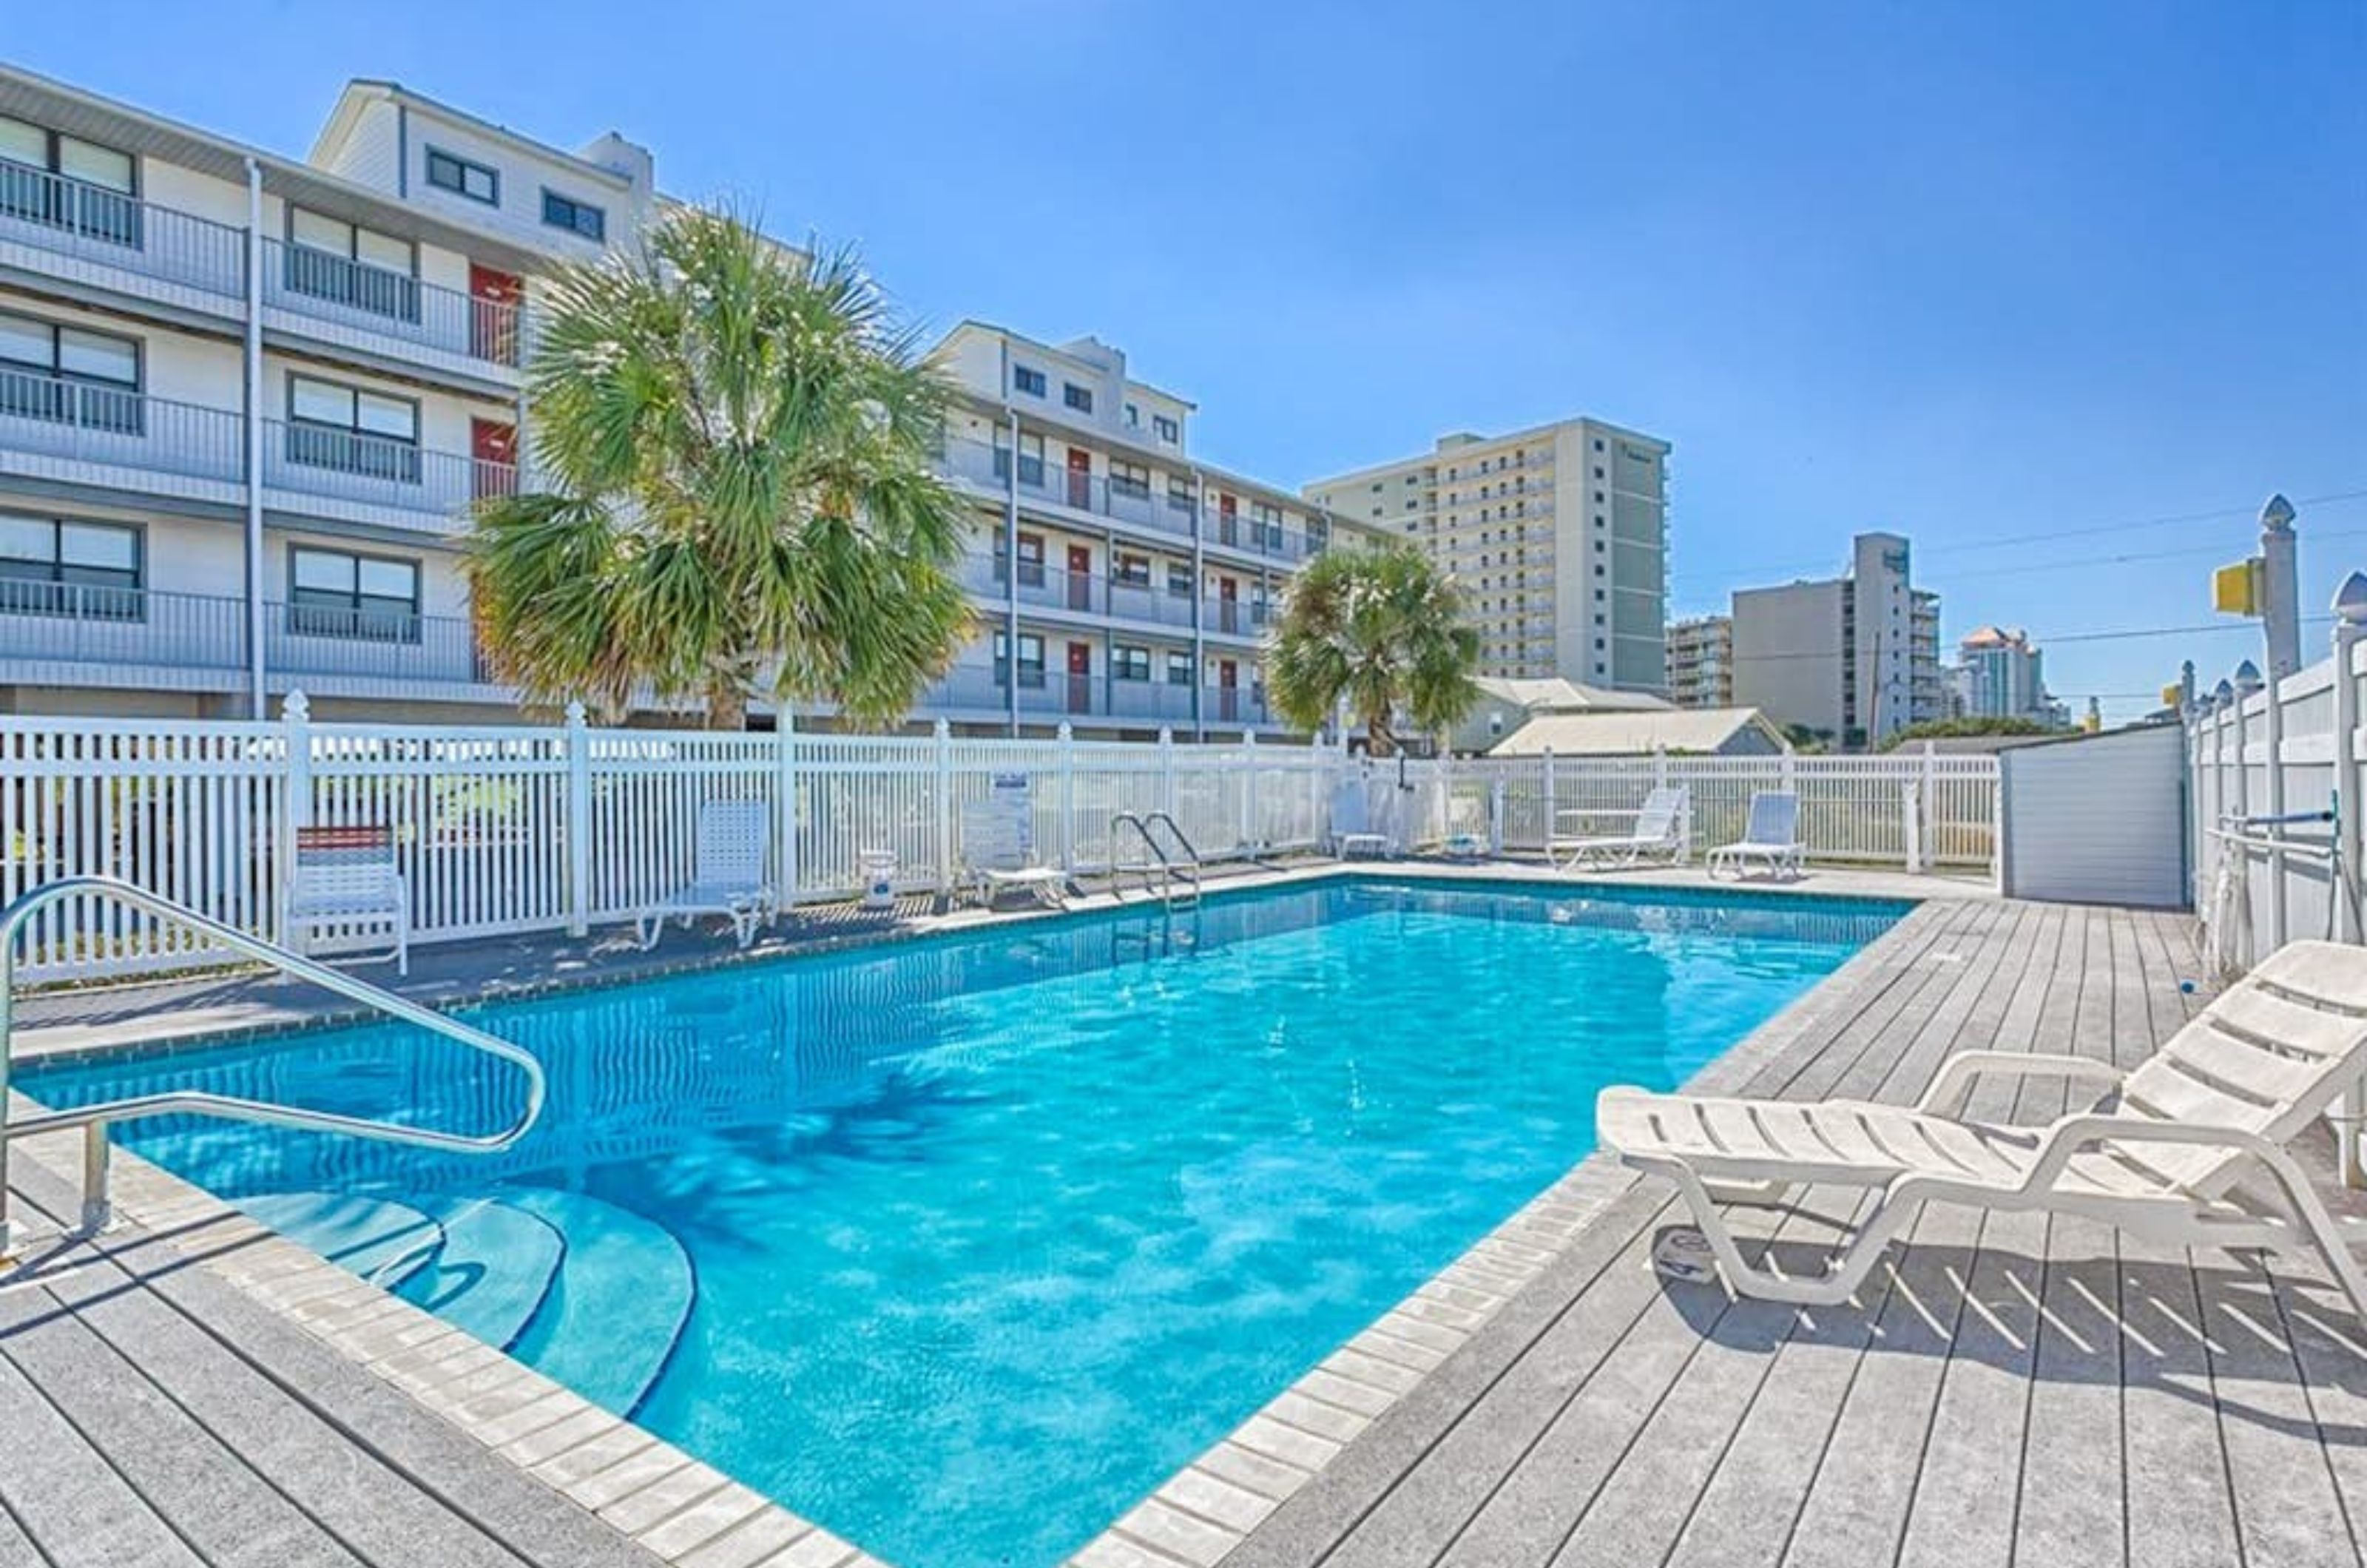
2350,600
295,704
575,712
944,728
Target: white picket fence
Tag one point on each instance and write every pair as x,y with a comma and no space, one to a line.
514,829
1917,811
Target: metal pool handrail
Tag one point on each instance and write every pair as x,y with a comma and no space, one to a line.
95,1119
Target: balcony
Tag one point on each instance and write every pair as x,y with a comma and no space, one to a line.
82,433
197,642
1044,483
1234,617
1047,587
974,688
102,237
368,307
88,234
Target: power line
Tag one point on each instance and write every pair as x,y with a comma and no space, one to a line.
2330,499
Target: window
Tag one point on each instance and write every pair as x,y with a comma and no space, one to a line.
1179,494
1031,658
1130,663
69,376
1031,459
1078,398
576,217
1130,571
1028,381
1133,417
1265,525
352,430
1169,431
1179,669
334,594
328,258
1179,579
462,178
63,182
1598,473
1031,559
1130,479
51,567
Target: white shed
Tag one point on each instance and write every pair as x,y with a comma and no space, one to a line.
2096,819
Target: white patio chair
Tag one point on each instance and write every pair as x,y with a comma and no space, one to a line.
1659,828
998,850
1770,837
2193,1155
729,878
348,876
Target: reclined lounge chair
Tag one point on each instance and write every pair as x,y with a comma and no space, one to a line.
2193,1154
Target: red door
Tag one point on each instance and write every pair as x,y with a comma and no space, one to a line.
1228,696
1228,519
1081,578
1229,608
494,299
1080,677
1081,478
492,445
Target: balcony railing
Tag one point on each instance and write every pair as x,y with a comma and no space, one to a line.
330,287
375,470
1047,588
975,686
1162,701
99,227
1150,506
146,629
77,421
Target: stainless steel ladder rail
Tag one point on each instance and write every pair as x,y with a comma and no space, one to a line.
95,1119
1179,877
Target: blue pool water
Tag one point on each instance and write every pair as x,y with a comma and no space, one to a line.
958,1246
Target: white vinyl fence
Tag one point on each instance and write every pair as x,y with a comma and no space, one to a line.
2268,768
511,829
1917,811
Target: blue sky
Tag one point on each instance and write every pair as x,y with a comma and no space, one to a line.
1976,273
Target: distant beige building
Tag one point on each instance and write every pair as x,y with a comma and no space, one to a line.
1701,662
1506,704
1558,535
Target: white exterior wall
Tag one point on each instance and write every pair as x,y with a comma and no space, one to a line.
1787,654
2100,820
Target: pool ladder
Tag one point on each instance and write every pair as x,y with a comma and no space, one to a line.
1174,876
94,1121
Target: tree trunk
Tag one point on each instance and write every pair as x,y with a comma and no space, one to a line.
1380,740
727,705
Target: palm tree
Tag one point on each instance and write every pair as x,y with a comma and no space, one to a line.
1382,628
737,440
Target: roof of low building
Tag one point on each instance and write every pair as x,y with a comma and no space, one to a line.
1633,732
1552,694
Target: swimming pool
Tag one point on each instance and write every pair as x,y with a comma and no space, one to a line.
958,1246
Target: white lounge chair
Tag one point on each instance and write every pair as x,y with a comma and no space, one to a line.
1770,837
998,850
348,876
729,878
2193,1155
1660,828
1352,834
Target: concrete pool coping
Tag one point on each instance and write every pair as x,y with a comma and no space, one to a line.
688,1513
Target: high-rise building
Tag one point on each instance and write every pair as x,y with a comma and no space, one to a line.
1700,662
1850,658
2002,676
246,401
1558,536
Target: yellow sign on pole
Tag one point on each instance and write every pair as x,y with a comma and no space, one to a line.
2173,694
2235,589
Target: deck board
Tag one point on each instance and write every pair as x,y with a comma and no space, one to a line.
2010,1389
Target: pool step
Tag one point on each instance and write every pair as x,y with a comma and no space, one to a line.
622,1296
384,1241
497,1263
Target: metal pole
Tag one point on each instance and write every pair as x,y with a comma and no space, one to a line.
2276,781
254,372
1011,574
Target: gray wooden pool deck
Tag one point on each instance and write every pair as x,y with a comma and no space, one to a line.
2014,1390
2018,1391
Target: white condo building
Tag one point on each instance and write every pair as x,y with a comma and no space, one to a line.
246,401
1558,536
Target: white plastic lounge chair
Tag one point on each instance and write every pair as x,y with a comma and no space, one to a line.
1352,834
1770,837
998,851
1659,828
735,837
2193,1155
348,876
